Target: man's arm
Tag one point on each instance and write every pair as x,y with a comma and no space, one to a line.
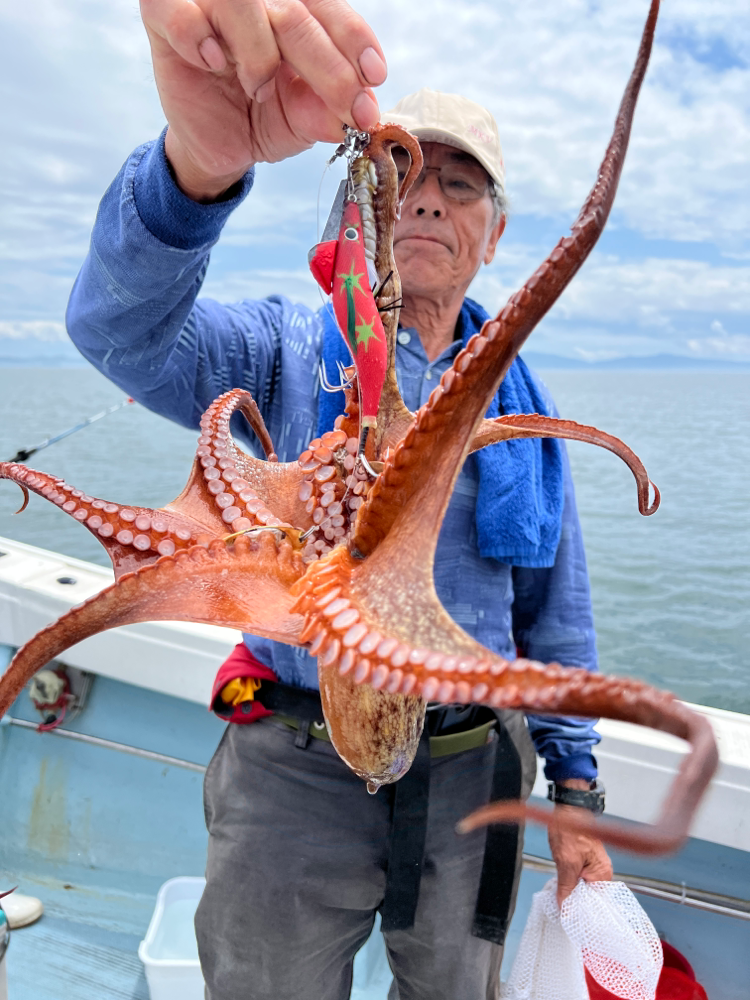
133,312
240,84
553,621
252,82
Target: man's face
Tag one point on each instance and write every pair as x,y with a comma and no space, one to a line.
439,243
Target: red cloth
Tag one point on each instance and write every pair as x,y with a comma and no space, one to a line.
676,982
240,663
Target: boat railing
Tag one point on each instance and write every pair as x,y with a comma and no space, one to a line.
682,894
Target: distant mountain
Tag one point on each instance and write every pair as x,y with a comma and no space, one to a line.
650,362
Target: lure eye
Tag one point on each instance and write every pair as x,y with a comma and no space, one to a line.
350,233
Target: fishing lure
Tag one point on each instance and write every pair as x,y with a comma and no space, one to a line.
341,269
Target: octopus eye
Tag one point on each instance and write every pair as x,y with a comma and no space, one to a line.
350,233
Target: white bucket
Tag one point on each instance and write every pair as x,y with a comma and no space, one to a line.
169,951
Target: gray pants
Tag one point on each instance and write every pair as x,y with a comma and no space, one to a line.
296,871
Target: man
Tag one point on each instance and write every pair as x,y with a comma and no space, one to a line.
300,857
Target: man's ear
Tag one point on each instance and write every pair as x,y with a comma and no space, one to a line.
497,231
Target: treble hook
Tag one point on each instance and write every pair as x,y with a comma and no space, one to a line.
355,142
361,453
325,385
368,468
346,381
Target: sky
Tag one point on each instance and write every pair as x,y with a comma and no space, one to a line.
671,274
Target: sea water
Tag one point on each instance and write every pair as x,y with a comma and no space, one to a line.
671,592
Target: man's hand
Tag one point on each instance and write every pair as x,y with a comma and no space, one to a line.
577,855
247,81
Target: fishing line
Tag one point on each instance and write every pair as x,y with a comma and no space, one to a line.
24,453
326,168
325,299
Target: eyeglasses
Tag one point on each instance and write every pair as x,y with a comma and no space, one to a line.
461,180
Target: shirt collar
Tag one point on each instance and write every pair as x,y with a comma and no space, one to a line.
415,347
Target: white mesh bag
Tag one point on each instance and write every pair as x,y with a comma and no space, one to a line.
602,926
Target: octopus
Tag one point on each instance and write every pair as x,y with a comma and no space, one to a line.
335,553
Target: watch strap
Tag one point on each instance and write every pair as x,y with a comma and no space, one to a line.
593,799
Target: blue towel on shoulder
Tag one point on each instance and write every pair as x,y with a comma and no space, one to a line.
520,499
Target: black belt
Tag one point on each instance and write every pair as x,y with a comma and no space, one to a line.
409,818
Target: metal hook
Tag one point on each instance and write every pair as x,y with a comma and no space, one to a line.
255,529
368,468
355,142
361,453
346,380
325,385
328,386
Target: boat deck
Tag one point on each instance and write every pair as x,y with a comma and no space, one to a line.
97,818
63,955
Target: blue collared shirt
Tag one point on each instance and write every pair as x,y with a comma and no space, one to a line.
135,315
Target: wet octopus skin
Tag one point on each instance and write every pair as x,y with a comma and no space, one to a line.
316,553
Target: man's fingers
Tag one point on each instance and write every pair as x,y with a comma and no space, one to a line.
186,29
306,45
326,43
247,33
580,857
306,113
567,880
598,868
353,37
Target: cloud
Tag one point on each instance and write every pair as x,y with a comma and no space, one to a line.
79,95
553,71
40,330
655,293
721,344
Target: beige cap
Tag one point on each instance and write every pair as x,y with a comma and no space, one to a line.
436,117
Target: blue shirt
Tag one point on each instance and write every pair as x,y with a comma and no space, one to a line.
135,315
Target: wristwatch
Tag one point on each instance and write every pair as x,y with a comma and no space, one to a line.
593,799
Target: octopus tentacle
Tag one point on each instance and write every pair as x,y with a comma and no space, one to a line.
385,198
427,655
235,491
532,425
133,536
244,585
333,489
8,470
316,493
478,369
672,827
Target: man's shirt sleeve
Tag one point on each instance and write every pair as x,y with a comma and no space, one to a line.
553,621
133,312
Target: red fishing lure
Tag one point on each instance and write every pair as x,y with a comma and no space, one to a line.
340,268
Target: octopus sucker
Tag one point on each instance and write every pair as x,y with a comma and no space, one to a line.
336,555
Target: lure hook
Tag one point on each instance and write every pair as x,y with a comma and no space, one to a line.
327,386
354,144
346,380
